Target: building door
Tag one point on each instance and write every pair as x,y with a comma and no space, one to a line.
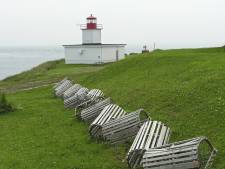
117,55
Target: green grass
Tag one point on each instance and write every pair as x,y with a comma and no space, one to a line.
46,73
182,88
43,135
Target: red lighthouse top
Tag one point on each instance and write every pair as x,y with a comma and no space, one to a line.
91,22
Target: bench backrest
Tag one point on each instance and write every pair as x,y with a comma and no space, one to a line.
151,134
90,113
185,154
109,113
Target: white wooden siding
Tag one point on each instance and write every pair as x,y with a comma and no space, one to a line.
92,54
91,36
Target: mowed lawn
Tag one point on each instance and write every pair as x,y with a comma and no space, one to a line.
182,88
41,134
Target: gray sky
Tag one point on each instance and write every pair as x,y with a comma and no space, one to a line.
169,23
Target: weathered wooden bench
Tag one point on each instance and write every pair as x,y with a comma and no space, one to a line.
196,153
72,101
94,96
63,87
109,113
59,83
151,134
123,129
71,91
90,113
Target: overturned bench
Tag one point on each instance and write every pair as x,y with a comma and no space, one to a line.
71,91
90,113
151,134
62,88
125,128
72,101
109,113
196,153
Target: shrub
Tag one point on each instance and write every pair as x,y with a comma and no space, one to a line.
5,107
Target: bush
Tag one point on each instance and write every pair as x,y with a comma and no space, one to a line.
5,107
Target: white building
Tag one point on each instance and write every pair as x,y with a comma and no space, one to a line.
92,51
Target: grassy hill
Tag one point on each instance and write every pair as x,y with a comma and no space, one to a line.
182,88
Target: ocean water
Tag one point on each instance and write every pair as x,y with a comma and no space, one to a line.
14,60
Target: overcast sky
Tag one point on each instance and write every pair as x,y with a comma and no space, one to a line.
168,23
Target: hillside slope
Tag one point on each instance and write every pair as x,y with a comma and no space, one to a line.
183,88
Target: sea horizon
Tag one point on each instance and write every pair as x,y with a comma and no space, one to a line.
17,59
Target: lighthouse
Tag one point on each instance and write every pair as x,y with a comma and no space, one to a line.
92,50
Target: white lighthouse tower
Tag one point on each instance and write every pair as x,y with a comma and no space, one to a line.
92,51
91,32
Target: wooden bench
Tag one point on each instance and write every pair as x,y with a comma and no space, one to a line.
71,91
109,113
59,83
94,96
123,129
72,101
90,113
151,134
196,153
62,88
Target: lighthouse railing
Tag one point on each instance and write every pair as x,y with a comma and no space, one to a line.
84,26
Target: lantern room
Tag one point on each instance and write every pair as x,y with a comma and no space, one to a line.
91,22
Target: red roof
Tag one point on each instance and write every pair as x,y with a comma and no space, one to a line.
91,17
